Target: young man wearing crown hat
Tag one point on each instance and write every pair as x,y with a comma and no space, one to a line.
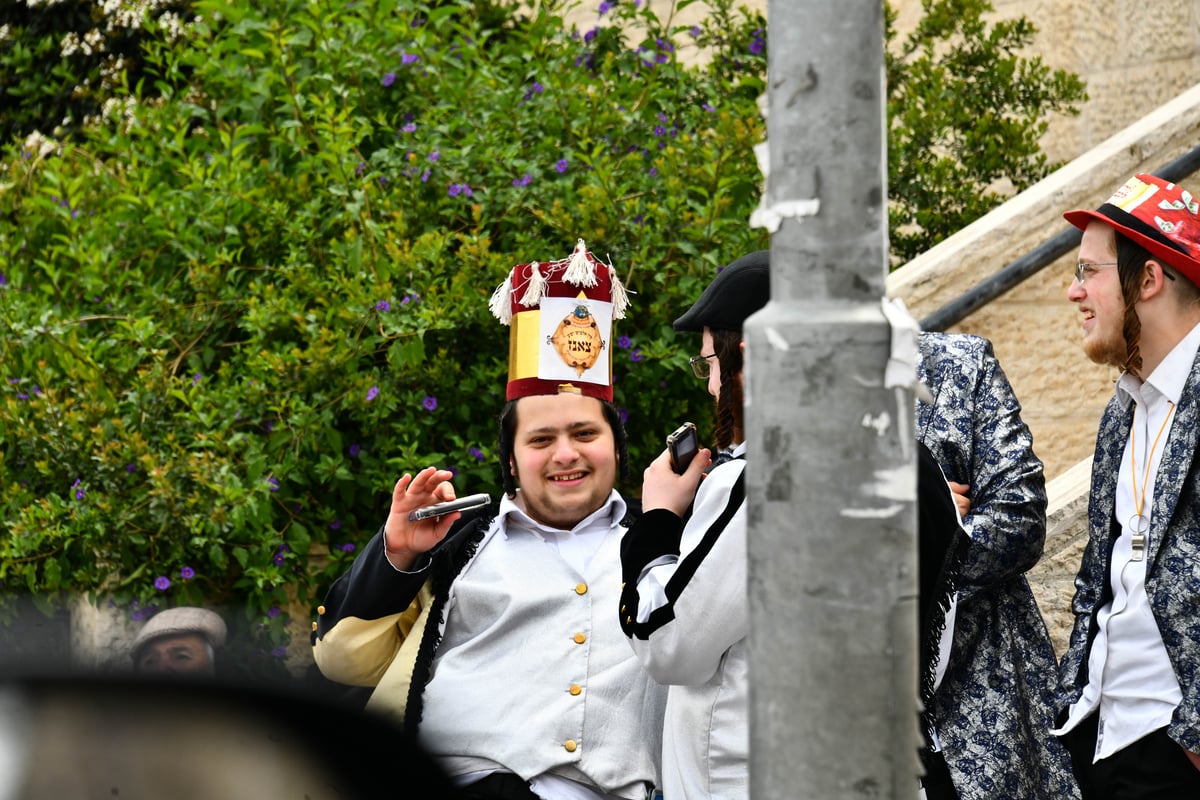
492,634
1130,679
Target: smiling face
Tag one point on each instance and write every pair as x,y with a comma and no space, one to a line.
1099,298
564,457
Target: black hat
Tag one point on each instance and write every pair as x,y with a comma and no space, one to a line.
738,291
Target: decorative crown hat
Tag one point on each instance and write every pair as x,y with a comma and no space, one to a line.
1156,214
561,317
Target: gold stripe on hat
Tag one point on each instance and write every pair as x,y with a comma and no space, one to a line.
523,345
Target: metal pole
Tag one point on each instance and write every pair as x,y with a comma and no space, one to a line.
832,535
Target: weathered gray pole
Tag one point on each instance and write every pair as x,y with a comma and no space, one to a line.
832,540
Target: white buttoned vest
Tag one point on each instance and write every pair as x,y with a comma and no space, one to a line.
535,675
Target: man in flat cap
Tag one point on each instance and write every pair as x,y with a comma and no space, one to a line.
179,641
1130,679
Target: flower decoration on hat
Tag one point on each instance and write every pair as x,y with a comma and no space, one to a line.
1158,215
561,316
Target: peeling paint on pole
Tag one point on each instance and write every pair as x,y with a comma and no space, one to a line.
831,461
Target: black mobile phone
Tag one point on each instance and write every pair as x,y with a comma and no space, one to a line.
441,509
683,444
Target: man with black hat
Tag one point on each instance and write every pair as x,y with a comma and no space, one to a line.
492,635
1130,679
684,606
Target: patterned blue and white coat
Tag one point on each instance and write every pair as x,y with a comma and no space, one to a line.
994,707
1172,556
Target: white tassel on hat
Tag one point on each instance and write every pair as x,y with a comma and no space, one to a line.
537,285
620,298
501,302
579,271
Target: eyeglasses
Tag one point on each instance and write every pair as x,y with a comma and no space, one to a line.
701,366
1086,269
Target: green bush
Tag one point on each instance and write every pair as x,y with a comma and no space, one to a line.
245,287
236,313
966,113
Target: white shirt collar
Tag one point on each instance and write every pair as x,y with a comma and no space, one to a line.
1168,378
606,516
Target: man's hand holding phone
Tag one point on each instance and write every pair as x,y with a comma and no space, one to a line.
662,486
406,540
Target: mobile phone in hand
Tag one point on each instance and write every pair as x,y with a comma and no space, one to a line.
448,507
683,444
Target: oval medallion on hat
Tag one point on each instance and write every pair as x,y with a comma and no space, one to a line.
577,340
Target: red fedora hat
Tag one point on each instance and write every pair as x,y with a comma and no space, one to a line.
1158,215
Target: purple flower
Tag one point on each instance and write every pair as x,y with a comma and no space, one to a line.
348,547
273,483
455,190
389,79
636,354
360,169
434,156
659,130
587,37
354,450
162,583
561,165
131,468
372,393
695,31
335,524
709,107
623,413
278,559
538,88
425,176
80,489
653,172
524,180
273,612
279,651
187,573
383,305
624,342
409,58
138,614
475,453
197,378
430,402
605,7
3,279
409,127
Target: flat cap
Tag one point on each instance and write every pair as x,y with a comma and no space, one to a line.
738,291
185,619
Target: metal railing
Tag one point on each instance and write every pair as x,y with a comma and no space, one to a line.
1038,258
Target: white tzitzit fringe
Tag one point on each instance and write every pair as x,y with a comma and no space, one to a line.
579,271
